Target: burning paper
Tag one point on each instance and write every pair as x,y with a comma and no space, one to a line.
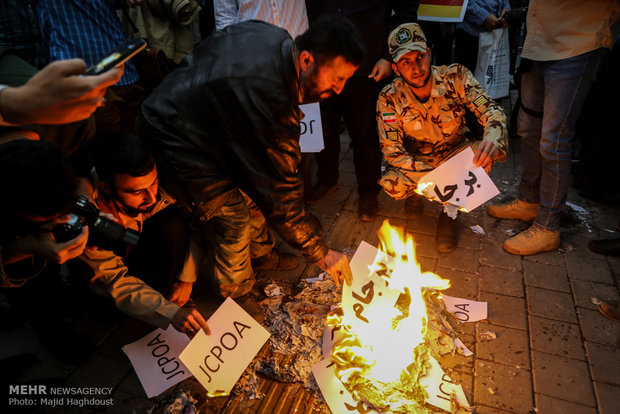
458,182
155,359
441,388
336,395
466,310
218,360
379,344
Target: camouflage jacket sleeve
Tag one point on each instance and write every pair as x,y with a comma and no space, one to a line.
390,128
490,114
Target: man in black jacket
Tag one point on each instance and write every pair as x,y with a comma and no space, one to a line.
228,123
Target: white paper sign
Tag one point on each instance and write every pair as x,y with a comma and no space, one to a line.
218,360
458,182
466,310
311,139
460,345
336,395
155,357
440,387
368,298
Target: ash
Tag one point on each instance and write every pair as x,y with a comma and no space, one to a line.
296,324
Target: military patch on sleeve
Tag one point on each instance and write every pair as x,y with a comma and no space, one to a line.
388,117
392,135
480,100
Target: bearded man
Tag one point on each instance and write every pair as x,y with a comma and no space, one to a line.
227,124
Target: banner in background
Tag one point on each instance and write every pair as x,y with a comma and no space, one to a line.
442,10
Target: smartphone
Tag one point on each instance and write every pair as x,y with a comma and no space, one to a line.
122,53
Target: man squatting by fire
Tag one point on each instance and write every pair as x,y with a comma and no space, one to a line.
421,121
227,124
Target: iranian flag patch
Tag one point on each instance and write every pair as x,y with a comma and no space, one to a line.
388,117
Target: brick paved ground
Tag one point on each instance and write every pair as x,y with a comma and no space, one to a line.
554,353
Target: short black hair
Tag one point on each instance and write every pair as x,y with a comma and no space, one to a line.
36,179
121,153
331,36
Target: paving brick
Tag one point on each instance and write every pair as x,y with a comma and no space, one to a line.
553,258
599,329
562,378
99,371
604,363
584,291
462,284
511,347
425,245
498,231
131,385
467,238
326,208
589,269
551,304
462,259
556,337
423,224
546,276
505,310
607,397
131,330
428,264
549,405
40,370
511,387
483,409
494,255
506,282
466,379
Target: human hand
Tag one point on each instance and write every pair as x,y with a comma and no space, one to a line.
337,265
381,70
57,94
46,246
490,22
189,321
180,292
485,153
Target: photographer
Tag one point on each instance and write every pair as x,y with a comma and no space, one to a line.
38,190
163,259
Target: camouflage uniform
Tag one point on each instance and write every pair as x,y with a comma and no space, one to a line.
416,137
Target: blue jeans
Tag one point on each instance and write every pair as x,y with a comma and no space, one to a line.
553,93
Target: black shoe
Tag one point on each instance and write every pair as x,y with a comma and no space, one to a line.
319,191
252,307
275,261
447,234
610,247
368,207
414,206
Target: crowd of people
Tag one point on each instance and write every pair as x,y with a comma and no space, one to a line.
145,187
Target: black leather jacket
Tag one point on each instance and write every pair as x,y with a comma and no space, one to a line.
229,118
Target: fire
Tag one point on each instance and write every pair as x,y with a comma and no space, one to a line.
381,364
424,189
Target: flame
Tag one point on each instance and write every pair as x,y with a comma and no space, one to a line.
423,190
391,353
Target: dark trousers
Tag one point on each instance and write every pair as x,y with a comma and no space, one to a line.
465,49
357,106
159,256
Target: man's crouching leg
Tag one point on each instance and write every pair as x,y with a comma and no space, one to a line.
399,186
227,259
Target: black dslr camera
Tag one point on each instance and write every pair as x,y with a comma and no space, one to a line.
104,233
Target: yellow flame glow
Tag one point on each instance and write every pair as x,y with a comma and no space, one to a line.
388,347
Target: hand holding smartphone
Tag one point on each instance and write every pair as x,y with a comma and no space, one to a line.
119,56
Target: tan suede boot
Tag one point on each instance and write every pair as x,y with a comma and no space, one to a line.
515,209
533,240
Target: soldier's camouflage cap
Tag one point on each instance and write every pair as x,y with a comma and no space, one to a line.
408,37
